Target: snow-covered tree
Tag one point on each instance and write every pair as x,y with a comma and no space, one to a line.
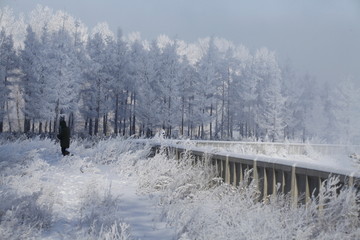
143,65
290,92
247,94
307,92
13,26
270,102
209,79
207,89
189,86
168,84
96,86
118,69
30,70
343,113
66,75
8,63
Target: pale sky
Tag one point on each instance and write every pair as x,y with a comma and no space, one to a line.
320,37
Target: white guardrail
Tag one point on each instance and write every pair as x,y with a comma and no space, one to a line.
287,148
272,175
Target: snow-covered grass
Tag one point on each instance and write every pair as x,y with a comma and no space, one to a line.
109,189
45,195
201,207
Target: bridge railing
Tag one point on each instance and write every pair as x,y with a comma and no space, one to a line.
271,175
287,148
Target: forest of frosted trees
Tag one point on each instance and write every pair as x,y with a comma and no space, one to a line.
104,83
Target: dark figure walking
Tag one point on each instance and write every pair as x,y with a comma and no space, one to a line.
64,136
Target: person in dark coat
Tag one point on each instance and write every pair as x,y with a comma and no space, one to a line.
64,136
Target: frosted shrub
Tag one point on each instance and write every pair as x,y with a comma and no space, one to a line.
199,209
101,216
24,216
113,151
334,212
117,231
179,177
191,198
11,230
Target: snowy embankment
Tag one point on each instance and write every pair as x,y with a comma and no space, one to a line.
111,190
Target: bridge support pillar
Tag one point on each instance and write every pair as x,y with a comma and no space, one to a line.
274,181
233,176
265,187
294,188
227,171
256,175
351,181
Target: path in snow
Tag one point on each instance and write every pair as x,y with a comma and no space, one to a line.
140,211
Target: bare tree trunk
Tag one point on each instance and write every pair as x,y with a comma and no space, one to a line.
8,113
130,113
222,110
125,113
97,118
116,114
189,120
105,120
211,113
191,130
71,122
182,116
304,135
1,119
57,112
134,114
120,125
96,126
231,128
96,123
26,125
86,123
90,127
18,111
216,121
228,106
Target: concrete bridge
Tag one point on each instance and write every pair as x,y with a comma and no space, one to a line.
271,175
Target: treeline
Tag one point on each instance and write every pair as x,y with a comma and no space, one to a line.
105,84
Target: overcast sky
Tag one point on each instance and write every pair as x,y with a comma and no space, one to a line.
321,37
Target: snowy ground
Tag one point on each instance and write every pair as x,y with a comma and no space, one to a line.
111,190
93,193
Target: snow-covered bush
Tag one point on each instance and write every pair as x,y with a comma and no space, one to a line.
101,216
199,210
23,217
46,195
178,177
117,231
335,212
25,202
